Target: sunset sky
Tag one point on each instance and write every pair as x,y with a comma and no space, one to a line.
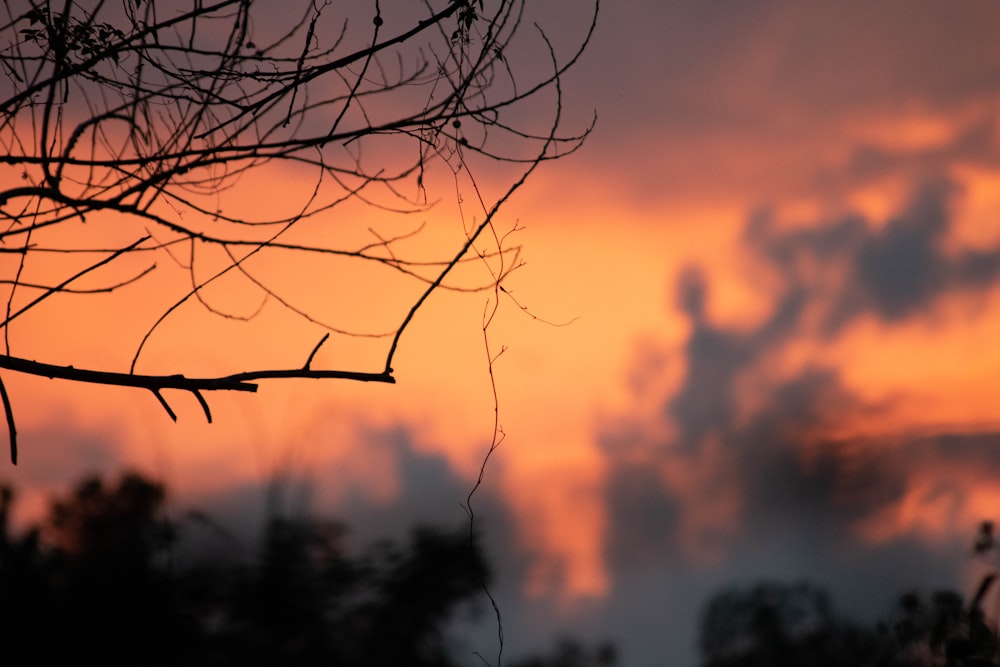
762,306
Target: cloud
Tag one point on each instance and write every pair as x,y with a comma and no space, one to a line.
378,482
644,516
865,517
428,489
723,102
705,401
53,456
893,270
768,63
967,141
740,454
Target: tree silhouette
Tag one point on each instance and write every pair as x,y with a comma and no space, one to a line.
136,141
774,623
97,582
92,579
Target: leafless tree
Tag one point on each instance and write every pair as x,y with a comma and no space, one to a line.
133,134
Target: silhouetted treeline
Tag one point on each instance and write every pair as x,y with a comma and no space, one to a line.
97,581
795,625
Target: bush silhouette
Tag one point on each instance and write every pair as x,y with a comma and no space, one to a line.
97,583
775,623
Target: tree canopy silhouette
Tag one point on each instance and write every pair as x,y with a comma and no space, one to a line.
209,150
777,623
99,581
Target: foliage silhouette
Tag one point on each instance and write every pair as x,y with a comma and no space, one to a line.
99,582
775,623
134,142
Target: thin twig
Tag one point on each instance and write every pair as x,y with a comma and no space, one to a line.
11,428
57,288
315,350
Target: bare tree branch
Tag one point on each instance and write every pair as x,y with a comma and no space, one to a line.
120,121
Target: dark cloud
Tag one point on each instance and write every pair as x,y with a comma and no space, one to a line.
804,500
792,481
428,491
900,269
428,488
805,496
59,452
705,401
792,484
859,55
893,271
643,516
804,514
975,142
799,484
765,65
774,99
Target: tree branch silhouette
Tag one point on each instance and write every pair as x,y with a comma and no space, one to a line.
130,132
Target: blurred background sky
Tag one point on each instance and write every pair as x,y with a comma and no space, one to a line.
777,259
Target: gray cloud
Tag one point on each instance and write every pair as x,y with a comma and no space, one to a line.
803,497
803,494
429,491
808,62
894,271
975,142
644,516
57,453
761,100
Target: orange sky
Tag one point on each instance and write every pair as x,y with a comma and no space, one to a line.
778,265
